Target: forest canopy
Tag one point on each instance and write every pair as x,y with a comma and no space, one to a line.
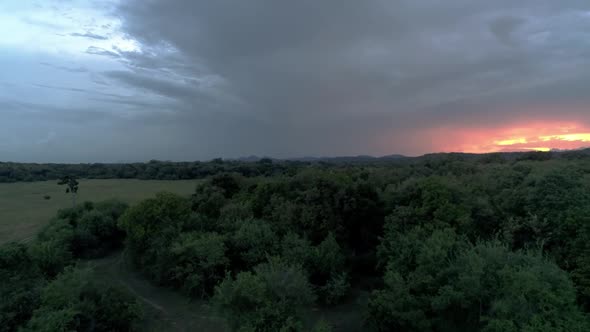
446,243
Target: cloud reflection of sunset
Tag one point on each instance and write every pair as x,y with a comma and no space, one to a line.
523,137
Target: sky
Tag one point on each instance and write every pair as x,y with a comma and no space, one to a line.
135,80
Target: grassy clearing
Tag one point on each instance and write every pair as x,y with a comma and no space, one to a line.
24,210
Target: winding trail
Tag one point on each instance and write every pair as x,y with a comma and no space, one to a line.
165,310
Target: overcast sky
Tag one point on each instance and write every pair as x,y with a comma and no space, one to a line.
133,80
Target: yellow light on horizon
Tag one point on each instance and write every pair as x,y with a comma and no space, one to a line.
540,149
513,141
584,137
531,136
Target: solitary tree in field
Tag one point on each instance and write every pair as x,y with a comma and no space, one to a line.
71,187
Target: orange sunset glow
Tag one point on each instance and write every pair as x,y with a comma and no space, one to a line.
539,136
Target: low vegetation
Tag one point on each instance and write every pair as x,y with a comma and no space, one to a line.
44,290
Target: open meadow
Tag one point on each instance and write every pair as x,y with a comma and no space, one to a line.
24,209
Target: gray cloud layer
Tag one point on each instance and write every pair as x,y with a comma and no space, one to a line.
89,35
332,77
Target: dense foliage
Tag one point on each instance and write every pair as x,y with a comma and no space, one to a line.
270,299
86,231
42,288
442,243
75,302
460,244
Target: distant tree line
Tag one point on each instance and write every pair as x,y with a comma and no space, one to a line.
153,170
167,170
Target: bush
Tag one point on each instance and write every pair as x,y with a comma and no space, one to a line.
88,230
153,218
228,183
254,240
71,301
297,251
336,288
197,262
232,214
113,208
323,326
96,234
208,200
52,250
485,288
73,214
395,308
272,298
21,285
327,260
151,226
74,302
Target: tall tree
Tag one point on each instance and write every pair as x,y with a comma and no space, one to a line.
71,187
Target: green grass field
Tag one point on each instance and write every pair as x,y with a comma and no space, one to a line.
24,210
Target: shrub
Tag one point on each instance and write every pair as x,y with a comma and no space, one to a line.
198,262
113,208
254,240
208,200
272,298
88,230
21,285
74,302
485,288
336,288
52,250
151,226
151,218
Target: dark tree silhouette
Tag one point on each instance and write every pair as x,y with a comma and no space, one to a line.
71,187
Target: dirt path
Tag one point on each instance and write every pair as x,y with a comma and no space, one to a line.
165,310
168,310
144,299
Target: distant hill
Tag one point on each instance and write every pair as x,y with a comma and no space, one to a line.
337,159
575,153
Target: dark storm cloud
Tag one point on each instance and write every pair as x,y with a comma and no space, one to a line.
330,76
196,79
